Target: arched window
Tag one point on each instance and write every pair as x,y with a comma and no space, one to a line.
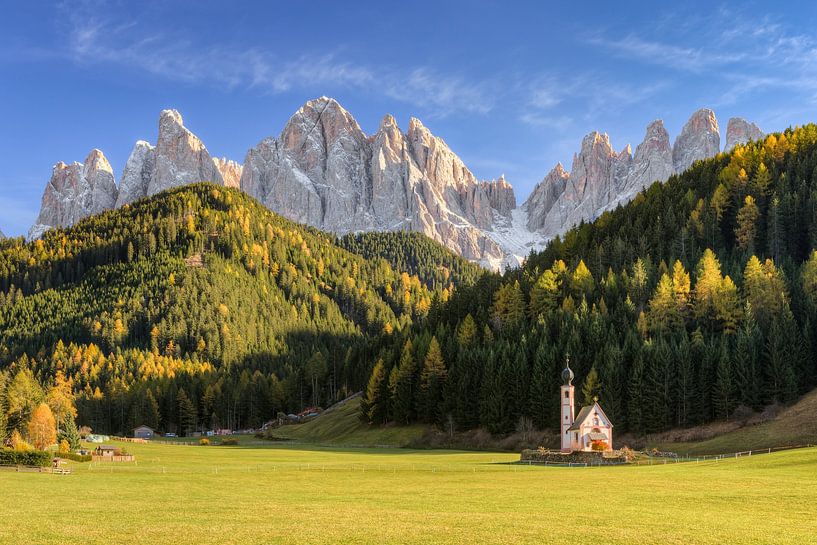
596,421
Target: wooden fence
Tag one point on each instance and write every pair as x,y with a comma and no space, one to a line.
126,458
37,469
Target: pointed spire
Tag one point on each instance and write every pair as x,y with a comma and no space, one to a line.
567,373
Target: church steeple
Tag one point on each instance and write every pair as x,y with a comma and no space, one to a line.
567,372
568,412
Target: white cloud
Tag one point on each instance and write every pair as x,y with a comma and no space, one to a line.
94,41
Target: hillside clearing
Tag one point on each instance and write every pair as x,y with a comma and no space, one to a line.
341,425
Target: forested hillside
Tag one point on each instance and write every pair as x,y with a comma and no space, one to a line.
698,297
415,253
199,308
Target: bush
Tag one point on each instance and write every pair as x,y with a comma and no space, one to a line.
39,458
204,441
598,446
229,441
75,457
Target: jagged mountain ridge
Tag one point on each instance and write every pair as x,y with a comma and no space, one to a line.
601,179
323,170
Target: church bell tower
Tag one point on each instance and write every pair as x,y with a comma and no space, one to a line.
567,413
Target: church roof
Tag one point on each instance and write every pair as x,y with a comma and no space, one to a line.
585,413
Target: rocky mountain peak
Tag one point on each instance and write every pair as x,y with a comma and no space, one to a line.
656,139
136,175
387,123
699,139
96,161
320,122
500,195
180,158
323,170
76,191
230,171
740,131
544,196
169,120
652,160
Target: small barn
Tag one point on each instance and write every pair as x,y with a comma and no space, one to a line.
106,451
143,432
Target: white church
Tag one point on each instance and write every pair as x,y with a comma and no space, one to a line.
589,430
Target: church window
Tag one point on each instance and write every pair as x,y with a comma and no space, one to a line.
567,394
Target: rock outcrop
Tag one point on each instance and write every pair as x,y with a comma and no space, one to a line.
544,196
699,139
180,157
230,171
652,160
76,191
601,179
136,174
501,197
325,171
740,131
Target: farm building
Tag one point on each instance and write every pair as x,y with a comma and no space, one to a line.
143,432
105,450
590,429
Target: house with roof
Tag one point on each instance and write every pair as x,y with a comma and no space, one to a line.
143,432
590,430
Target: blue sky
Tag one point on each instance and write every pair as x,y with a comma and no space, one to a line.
511,86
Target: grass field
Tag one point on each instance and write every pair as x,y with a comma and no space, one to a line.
341,425
273,494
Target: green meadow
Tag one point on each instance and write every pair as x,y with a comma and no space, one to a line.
262,493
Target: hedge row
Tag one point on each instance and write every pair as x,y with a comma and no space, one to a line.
74,456
10,457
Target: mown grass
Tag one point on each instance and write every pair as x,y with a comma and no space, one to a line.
278,494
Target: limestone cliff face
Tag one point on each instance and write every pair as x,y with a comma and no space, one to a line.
76,191
136,174
544,196
699,139
601,179
740,131
501,197
325,171
230,171
180,157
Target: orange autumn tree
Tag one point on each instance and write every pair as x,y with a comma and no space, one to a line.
42,429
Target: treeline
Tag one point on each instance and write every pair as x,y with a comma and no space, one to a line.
200,293
696,298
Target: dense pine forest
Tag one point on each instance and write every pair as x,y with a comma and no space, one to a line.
696,299
199,308
435,265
